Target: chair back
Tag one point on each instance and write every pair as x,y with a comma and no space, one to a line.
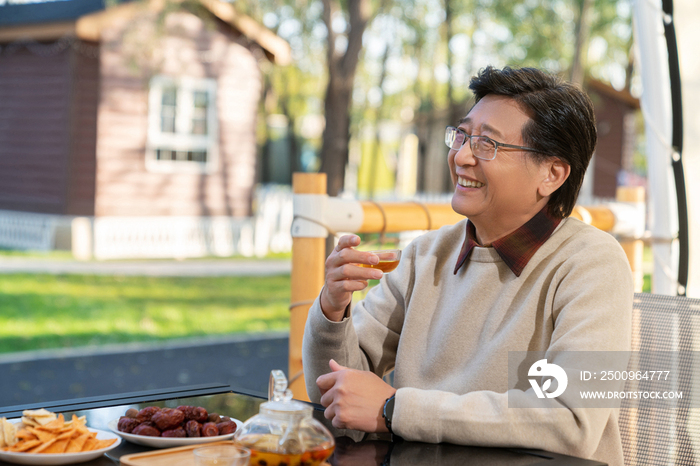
666,332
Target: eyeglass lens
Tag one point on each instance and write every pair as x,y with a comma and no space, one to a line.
482,147
454,138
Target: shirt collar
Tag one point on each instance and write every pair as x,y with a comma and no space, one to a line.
516,248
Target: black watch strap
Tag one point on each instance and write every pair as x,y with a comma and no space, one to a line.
388,412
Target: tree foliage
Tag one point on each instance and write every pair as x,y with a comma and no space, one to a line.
417,56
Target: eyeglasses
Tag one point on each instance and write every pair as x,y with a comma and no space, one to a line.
483,147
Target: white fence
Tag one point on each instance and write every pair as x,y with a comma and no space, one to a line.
23,230
268,231
182,237
161,237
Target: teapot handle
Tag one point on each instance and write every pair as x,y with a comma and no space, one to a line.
277,389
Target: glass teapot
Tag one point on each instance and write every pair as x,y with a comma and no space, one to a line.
284,432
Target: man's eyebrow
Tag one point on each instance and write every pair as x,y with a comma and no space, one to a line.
484,127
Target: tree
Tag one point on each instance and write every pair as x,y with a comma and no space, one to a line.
342,66
438,45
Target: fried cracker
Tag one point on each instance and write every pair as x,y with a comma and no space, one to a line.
104,443
90,444
56,424
75,421
59,446
37,417
26,434
41,434
27,421
8,433
24,446
42,446
38,413
77,444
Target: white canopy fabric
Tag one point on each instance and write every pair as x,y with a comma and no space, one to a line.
687,18
653,60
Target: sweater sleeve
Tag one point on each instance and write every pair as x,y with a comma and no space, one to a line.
368,338
590,300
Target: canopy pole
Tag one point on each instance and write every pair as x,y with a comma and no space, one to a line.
308,259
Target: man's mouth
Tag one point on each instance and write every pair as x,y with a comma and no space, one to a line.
469,183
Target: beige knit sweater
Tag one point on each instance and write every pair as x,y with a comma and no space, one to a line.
448,336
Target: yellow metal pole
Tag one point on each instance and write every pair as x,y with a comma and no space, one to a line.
634,248
600,217
308,259
393,217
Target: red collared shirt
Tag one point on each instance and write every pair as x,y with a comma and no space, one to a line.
517,248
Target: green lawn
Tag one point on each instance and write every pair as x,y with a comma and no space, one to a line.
47,311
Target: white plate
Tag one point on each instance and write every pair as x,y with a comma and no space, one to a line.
61,458
167,442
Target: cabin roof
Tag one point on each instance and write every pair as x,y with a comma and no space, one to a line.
86,18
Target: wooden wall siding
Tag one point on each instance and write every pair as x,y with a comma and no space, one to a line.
81,175
191,48
610,116
34,140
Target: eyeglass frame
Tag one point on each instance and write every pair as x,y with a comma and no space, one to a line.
495,143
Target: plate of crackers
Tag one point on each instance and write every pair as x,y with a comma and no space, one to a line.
44,438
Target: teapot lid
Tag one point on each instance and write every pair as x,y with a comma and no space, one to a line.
280,398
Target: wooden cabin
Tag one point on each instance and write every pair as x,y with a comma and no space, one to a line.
144,109
615,112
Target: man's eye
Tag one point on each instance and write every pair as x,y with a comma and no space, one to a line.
485,144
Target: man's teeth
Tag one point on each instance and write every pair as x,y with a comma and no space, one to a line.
469,183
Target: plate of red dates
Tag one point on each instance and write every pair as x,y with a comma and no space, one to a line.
173,427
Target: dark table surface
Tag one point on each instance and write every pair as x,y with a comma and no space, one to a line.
352,447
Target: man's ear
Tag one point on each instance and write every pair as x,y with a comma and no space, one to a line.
556,171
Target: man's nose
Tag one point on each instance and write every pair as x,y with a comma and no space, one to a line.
464,155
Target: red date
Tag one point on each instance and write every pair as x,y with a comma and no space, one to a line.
179,432
183,421
147,413
193,429
144,429
209,429
168,418
226,427
127,424
194,413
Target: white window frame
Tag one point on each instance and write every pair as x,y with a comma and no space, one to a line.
182,139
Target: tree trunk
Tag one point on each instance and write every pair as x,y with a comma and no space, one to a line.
583,27
376,149
453,110
341,77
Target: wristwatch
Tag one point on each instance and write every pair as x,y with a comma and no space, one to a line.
388,412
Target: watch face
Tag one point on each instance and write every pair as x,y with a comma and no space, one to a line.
389,408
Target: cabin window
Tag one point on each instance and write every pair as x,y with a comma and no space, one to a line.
182,127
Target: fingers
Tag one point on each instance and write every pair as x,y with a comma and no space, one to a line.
347,241
345,254
335,367
344,276
325,382
350,271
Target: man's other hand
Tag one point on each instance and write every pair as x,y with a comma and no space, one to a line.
354,399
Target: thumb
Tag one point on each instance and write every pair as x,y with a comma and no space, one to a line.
335,367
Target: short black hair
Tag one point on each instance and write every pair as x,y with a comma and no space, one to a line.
562,122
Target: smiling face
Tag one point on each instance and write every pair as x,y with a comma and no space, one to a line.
498,195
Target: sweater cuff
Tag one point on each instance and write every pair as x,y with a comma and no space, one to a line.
410,422
327,332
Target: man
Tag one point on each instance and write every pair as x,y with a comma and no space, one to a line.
517,276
